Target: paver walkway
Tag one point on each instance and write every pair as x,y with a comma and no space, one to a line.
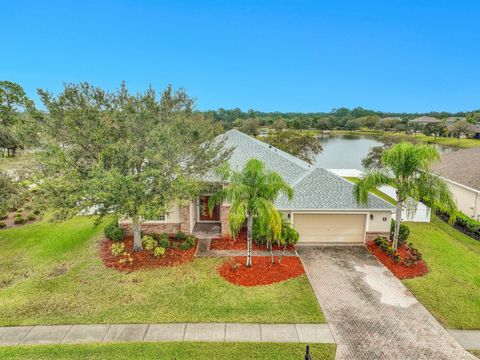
370,312
215,332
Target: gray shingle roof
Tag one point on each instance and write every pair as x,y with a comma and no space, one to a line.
424,120
314,188
322,189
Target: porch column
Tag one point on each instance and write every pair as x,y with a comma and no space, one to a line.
224,210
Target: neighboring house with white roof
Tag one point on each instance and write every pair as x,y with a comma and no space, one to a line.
461,171
323,208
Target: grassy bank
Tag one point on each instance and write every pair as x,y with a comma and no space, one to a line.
52,274
178,351
451,291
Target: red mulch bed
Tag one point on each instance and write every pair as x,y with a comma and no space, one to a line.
144,259
240,243
262,272
400,270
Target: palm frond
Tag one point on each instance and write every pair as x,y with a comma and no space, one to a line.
370,180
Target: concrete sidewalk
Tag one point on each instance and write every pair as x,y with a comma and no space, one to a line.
213,332
469,339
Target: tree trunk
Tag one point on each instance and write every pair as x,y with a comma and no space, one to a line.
249,240
137,237
270,245
398,220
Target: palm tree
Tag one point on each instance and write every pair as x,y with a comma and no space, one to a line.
251,193
407,168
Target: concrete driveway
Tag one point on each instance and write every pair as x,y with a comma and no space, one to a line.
370,312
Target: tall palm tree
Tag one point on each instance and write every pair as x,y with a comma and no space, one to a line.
251,193
406,167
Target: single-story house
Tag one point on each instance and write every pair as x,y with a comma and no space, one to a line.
323,208
461,170
424,120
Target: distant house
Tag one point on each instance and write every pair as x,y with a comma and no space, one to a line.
476,131
453,119
392,118
461,171
424,120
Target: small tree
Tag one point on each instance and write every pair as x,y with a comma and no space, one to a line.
129,155
407,168
303,145
249,127
461,128
251,193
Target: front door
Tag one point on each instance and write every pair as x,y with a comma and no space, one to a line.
204,214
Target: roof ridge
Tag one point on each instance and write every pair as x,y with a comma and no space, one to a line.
275,150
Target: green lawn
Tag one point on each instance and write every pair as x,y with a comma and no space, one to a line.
451,291
476,353
177,351
52,274
375,191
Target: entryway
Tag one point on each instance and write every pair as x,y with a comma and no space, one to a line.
203,213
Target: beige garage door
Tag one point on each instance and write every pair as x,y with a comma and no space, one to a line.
327,228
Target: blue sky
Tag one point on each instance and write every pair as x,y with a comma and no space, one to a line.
412,56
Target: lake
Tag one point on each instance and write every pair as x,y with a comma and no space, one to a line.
347,151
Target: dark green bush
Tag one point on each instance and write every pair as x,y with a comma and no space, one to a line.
3,224
188,243
36,211
180,236
403,233
19,220
113,231
164,242
31,217
3,215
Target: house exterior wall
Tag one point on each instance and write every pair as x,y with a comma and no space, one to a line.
193,214
379,225
467,199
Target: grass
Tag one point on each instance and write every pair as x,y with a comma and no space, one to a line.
451,291
22,161
52,274
176,351
375,191
453,142
476,353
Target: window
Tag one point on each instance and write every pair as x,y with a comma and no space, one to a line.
162,217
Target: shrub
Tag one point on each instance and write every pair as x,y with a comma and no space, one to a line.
3,215
31,217
289,233
163,240
117,249
180,236
127,258
149,243
113,231
159,251
3,224
174,245
189,243
165,243
403,233
18,219
412,256
36,211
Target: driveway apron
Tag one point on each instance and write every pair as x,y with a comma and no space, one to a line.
371,314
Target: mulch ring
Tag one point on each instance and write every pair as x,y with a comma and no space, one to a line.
400,270
240,243
262,272
9,220
144,259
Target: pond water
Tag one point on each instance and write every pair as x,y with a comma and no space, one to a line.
347,151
